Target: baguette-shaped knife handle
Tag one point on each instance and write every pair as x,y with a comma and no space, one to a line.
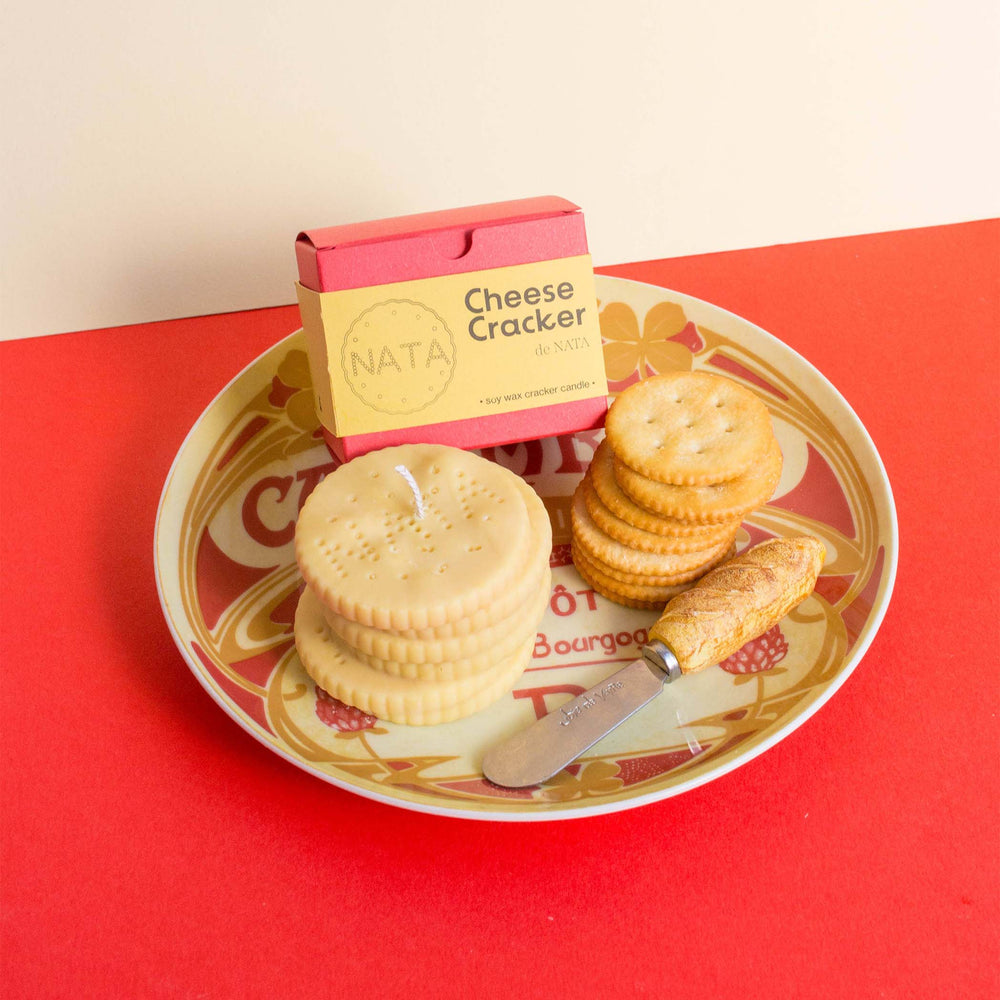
739,600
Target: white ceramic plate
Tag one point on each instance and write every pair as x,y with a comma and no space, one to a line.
228,583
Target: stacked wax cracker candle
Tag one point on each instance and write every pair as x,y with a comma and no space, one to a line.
686,456
427,573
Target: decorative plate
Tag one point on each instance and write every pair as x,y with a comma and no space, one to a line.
228,583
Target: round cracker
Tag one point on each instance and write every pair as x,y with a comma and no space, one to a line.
651,580
628,595
654,567
688,428
650,541
709,504
626,509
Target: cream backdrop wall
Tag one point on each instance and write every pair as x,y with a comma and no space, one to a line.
159,160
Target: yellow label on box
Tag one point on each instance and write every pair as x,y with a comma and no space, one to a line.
455,346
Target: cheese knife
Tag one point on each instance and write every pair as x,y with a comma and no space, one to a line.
726,608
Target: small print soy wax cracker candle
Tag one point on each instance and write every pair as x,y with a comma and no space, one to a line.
469,327
427,573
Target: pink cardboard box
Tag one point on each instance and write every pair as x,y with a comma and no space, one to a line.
518,314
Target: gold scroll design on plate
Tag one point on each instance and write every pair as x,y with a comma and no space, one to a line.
275,424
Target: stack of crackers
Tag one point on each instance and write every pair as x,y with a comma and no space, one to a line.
686,456
427,573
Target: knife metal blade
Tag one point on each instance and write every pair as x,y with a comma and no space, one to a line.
557,739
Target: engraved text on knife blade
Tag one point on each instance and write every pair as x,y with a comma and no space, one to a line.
589,700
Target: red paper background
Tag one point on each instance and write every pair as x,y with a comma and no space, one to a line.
151,848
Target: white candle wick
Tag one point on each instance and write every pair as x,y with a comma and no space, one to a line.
417,495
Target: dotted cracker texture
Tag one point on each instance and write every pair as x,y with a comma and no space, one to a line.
688,428
361,546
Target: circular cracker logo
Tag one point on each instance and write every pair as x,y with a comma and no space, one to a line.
398,356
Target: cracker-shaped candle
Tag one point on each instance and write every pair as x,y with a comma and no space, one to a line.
409,554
